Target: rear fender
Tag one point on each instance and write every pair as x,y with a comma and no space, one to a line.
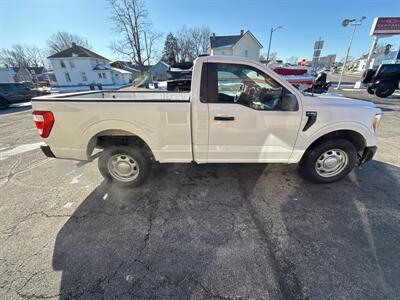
146,134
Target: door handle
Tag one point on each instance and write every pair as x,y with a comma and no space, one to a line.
221,118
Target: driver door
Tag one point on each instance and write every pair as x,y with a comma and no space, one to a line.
252,118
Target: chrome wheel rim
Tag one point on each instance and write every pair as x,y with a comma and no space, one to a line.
123,167
331,163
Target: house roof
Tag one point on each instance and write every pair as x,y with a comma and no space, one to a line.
228,41
224,40
77,51
160,62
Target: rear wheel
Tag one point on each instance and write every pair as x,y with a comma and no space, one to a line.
4,103
329,161
385,89
123,165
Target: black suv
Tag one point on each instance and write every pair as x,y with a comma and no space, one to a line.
15,93
382,81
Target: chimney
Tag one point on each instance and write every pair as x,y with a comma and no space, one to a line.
241,31
213,34
73,44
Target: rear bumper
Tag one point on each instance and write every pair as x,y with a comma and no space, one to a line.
47,151
367,155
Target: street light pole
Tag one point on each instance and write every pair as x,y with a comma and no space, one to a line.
353,23
270,39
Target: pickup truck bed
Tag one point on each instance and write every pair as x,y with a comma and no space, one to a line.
117,113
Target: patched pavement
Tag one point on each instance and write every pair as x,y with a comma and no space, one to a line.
231,231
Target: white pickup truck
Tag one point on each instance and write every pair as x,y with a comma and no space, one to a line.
238,111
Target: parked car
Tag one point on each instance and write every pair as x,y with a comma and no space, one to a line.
382,81
11,93
238,111
36,89
180,77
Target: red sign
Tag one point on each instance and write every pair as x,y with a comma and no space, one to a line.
386,26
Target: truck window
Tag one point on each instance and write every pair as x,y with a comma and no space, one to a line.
244,85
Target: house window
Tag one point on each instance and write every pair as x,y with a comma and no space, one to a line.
67,77
104,75
71,64
62,64
246,53
84,77
99,75
223,52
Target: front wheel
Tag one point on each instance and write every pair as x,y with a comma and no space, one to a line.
329,161
123,165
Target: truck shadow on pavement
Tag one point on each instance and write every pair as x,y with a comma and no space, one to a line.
231,231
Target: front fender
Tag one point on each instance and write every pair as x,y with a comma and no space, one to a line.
305,139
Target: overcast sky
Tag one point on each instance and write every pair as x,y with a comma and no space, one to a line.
31,22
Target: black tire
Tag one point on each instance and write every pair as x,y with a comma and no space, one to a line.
370,90
385,89
139,156
4,104
308,164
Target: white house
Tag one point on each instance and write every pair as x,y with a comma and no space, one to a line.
245,44
77,66
159,71
7,75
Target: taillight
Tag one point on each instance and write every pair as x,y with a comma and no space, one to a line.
44,121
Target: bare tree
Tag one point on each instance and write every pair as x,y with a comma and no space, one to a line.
293,59
137,35
192,42
22,56
62,40
35,56
200,38
185,45
272,56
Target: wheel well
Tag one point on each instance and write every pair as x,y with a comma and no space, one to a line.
352,136
111,137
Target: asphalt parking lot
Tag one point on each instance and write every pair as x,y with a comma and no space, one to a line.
197,231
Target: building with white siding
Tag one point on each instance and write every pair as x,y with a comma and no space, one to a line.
245,45
78,66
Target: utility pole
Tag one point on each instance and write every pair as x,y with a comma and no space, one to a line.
270,39
354,23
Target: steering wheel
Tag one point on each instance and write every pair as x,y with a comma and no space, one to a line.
238,93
